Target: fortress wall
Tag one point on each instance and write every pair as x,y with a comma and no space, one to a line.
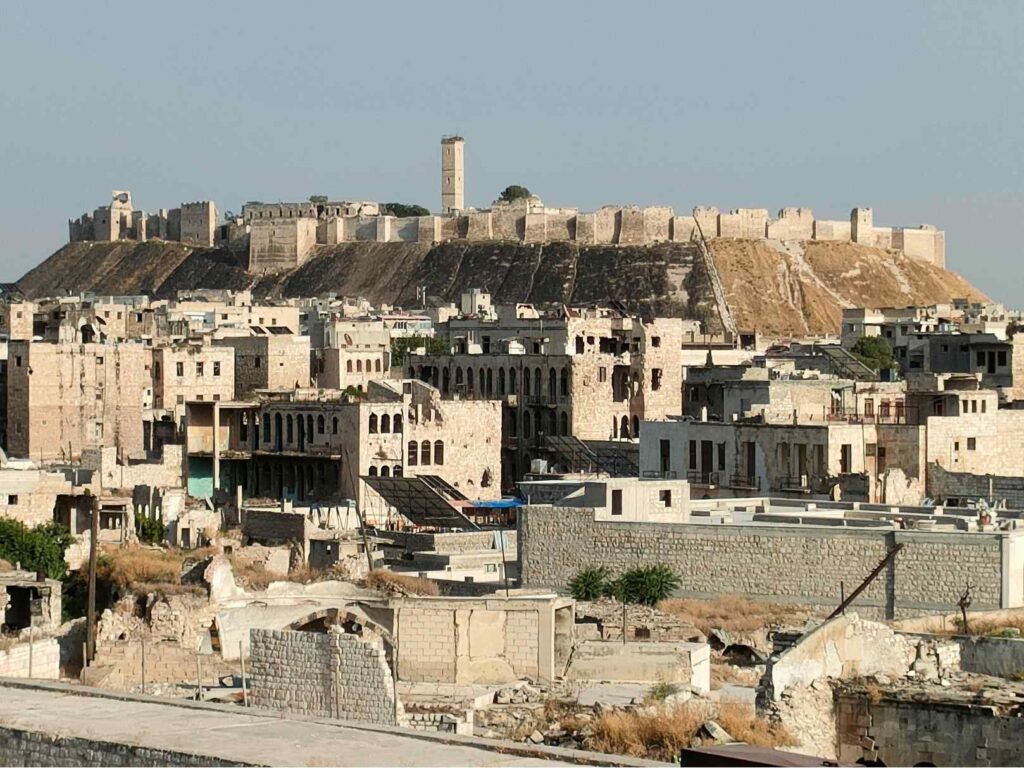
658,224
606,225
561,226
707,220
280,243
448,228
832,230
405,230
631,230
536,230
586,223
428,229
478,226
684,229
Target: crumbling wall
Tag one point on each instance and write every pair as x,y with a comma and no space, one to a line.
890,731
330,674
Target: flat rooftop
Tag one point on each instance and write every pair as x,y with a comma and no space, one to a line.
254,736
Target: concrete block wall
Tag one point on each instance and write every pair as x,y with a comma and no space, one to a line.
45,663
798,564
328,674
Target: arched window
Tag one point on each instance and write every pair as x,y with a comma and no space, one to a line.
490,382
636,426
376,365
536,423
413,454
470,381
552,384
396,423
552,423
373,423
385,471
624,428
291,429
564,418
334,426
425,452
266,429
458,376
359,366
615,428
526,382
348,366
412,372
321,425
439,452
446,380
501,381
385,423
512,381
309,426
538,379
397,471
565,382
526,425
373,472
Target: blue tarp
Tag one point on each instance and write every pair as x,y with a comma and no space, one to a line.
499,504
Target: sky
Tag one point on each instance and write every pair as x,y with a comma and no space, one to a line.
913,109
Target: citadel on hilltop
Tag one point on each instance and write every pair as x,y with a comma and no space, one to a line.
279,236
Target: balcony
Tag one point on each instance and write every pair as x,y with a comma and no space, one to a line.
745,482
666,474
704,479
797,483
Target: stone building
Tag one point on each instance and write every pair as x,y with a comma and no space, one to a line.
28,494
354,353
64,397
268,358
195,370
309,446
589,374
453,174
781,550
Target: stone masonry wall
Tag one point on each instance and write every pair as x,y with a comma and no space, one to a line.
45,664
23,747
324,675
788,564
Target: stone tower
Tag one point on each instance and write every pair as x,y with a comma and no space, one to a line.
862,226
453,179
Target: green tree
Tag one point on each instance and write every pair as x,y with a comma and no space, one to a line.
874,352
401,347
318,198
404,210
150,529
37,549
589,583
514,192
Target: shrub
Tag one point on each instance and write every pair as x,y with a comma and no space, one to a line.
648,585
400,583
514,192
589,583
874,352
402,210
150,530
37,549
662,690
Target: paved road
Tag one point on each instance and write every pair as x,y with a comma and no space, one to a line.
227,732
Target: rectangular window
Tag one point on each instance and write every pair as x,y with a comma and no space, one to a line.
216,367
656,378
1002,358
181,399
721,457
12,499
617,501
199,369
693,454
257,362
972,443
665,448
602,372
845,458
983,404
665,497
180,369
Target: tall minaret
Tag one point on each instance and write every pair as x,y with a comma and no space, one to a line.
453,179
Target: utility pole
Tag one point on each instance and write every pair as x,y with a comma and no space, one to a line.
90,621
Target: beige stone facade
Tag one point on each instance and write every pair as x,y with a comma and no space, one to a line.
268,361
66,397
191,371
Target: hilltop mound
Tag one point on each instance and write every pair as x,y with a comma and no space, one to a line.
803,287
776,288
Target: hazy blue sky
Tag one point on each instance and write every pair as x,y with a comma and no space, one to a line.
915,109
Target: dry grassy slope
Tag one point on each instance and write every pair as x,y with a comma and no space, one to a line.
803,287
776,289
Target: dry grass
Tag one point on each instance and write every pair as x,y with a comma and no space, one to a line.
400,583
258,578
992,626
133,566
5,566
734,613
661,734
